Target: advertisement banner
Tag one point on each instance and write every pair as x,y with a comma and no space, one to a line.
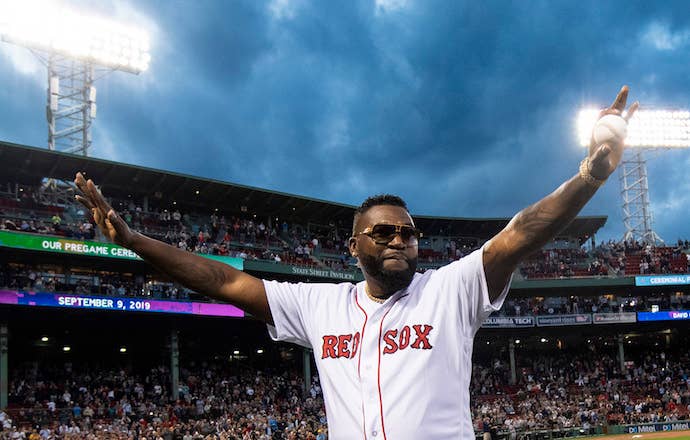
35,242
323,273
508,322
125,304
662,280
657,427
614,318
676,315
558,320
352,275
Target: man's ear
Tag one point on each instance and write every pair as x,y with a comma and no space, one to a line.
352,244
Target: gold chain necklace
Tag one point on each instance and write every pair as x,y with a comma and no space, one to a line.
372,297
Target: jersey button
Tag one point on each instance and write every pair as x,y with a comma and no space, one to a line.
374,433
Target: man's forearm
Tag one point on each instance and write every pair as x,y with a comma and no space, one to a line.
535,225
200,274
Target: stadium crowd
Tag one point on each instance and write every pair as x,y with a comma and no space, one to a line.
239,235
566,305
555,390
582,389
244,238
214,402
243,235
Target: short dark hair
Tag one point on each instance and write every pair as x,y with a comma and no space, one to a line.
377,200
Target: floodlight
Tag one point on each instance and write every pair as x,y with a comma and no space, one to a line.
56,29
66,348
646,129
123,349
77,49
44,339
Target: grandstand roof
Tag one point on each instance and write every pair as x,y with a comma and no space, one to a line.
29,165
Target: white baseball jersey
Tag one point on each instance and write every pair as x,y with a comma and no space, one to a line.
393,371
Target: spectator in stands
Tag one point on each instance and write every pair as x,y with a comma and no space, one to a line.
56,220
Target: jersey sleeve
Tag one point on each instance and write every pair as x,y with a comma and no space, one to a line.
466,278
291,306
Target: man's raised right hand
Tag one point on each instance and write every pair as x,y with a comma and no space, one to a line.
108,221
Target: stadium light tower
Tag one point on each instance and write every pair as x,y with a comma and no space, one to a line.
648,130
77,50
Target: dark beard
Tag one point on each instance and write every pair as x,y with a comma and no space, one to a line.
391,280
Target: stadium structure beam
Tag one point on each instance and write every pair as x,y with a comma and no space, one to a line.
4,353
637,215
648,130
174,365
513,371
306,369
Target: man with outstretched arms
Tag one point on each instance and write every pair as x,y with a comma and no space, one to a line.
394,351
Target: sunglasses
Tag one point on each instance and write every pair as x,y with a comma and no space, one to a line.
383,233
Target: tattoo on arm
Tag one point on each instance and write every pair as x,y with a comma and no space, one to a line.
534,226
192,271
531,229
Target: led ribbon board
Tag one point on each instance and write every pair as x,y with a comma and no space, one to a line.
675,315
46,243
124,304
662,280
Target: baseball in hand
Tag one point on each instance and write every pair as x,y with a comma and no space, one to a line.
610,128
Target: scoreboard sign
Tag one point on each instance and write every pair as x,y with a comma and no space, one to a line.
64,245
614,318
558,320
119,303
674,315
508,322
657,427
662,280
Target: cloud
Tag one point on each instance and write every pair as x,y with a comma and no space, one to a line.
383,6
284,9
23,61
662,38
464,108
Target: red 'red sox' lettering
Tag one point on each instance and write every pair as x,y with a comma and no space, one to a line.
341,346
399,340
328,350
422,337
389,339
346,346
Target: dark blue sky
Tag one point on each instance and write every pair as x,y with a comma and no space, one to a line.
462,108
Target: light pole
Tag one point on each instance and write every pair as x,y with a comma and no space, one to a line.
77,50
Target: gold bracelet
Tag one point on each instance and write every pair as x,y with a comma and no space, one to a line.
587,176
